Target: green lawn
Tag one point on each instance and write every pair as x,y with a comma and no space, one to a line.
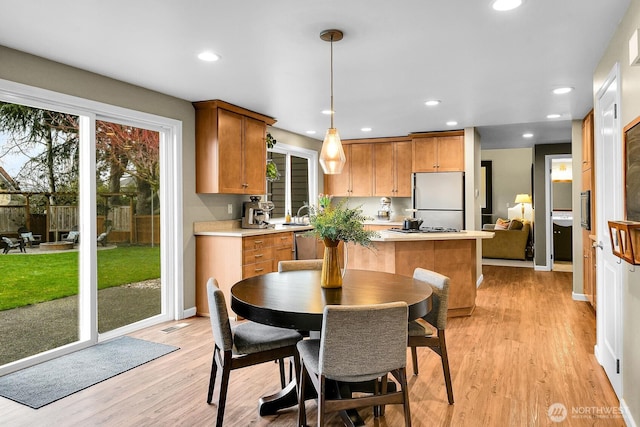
30,279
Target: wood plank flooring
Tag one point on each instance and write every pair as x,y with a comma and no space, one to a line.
527,345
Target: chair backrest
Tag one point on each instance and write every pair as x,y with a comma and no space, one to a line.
7,241
300,264
363,342
219,316
440,297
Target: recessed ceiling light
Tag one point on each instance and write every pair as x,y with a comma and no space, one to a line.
208,56
432,102
553,116
452,123
366,129
527,135
562,90
327,112
504,5
311,132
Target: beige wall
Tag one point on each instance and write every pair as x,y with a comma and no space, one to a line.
511,175
35,71
617,51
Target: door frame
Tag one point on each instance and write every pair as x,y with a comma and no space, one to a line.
604,245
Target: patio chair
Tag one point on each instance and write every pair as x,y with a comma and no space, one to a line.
28,237
12,244
73,236
102,238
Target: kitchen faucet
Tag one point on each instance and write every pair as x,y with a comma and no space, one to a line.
304,206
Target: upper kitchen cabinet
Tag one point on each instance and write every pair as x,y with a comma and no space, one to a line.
231,151
392,168
438,152
356,177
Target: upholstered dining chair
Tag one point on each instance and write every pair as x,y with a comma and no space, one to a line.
421,335
358,343
247,344
300,264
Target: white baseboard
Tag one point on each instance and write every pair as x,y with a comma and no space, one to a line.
480,280
189,312
626,414
579,297
542,268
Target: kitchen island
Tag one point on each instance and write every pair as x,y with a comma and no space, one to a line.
457,255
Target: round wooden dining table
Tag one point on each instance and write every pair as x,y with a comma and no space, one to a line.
295,299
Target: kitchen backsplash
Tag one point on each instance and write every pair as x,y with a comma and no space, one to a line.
371,205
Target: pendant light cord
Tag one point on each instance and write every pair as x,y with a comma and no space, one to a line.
332,110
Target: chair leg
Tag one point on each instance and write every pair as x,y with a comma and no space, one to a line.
414,360
321,400
283,379
381,408
224,386
302,413
402,373
445,366
212,378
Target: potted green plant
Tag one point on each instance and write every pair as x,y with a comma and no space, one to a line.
272,168
333,224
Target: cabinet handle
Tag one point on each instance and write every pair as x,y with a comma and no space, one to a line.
259,256
258,242
258,269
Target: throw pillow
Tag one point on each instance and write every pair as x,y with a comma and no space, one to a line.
502,224
516,224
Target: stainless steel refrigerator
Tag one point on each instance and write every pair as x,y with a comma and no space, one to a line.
439,199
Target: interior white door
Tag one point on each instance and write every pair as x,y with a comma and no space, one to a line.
608,147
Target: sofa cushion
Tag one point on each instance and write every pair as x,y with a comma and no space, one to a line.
502,224
515,224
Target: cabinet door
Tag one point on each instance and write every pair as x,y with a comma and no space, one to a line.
361,170
254,156
230,173
340,185
425,154
450,153
403,155
383,159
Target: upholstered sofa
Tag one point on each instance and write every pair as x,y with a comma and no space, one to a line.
506,244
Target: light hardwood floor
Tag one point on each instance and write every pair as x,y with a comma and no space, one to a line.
527,345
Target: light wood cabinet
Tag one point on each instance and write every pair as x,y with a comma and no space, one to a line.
587,142
356,177
438,152
392,163
230,259
231,152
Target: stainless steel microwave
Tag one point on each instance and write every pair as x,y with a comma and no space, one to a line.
585,209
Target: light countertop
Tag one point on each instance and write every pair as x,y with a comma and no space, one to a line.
232,229
390,236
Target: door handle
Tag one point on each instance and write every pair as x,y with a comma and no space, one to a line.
598,245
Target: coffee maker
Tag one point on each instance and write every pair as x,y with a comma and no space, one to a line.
255,214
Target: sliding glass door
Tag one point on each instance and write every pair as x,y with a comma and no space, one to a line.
90,220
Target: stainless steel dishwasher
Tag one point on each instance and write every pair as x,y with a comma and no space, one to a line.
305,247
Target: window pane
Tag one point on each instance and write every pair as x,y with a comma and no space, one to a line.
39,158
299,182
277,188
128,224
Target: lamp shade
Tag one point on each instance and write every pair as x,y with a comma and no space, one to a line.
523,198
332,158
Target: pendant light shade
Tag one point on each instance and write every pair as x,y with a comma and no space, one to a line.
332,158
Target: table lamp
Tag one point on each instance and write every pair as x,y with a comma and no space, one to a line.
522,199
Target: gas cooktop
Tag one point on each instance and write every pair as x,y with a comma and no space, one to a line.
426,230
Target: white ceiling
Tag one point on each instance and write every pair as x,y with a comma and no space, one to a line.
491,70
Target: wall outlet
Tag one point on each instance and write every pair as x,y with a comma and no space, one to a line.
229,208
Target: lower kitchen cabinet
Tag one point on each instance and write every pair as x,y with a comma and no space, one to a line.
232,258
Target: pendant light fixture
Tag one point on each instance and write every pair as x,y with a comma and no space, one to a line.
332,158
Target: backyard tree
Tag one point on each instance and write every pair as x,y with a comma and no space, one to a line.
49,142
132,151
